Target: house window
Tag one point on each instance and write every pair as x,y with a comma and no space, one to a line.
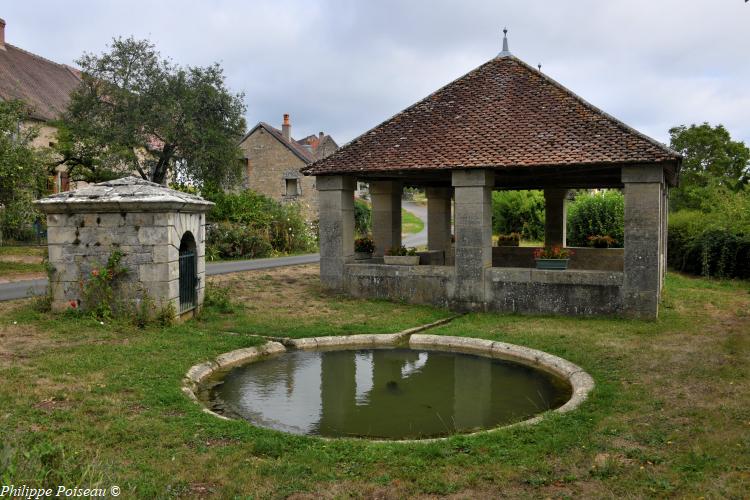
292,187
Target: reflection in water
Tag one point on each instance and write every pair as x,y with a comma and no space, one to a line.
387,393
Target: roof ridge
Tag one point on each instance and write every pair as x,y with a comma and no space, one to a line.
593,107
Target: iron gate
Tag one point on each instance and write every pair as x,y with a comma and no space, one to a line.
188,280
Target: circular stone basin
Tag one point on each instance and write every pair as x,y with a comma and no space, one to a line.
385,393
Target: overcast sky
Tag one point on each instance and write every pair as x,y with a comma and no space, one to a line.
343,66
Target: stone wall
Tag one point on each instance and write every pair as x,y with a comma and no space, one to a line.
149,243
516,290
268,161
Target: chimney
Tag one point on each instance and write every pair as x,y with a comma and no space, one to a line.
2,34
320,137
286,128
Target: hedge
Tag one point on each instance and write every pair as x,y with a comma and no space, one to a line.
702,244
599,214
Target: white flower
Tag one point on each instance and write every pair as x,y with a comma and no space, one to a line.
101,322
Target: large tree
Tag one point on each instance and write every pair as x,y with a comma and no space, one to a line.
138,112
712,162
23,173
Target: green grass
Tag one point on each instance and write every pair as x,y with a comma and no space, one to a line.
410,223
91,404
13,268
39,251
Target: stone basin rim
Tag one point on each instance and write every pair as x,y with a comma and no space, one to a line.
581,382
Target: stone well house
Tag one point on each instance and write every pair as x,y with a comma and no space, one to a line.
504,125
273,159
44,86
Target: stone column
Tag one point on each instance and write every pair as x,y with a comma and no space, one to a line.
555,217
336,199
386,215
643,240
438,219
473,222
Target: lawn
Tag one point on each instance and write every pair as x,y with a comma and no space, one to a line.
90,404
410,223
22,262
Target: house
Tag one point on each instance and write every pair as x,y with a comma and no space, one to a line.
273,159
44,86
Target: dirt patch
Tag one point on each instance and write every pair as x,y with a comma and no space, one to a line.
51,404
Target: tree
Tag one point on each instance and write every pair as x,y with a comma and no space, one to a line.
137,112
712,162
23,173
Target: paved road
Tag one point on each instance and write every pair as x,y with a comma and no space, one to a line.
420,238
25,288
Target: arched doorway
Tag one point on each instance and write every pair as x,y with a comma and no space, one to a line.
188,273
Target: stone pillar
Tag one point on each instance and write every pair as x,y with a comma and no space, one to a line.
386,215
644,206
438,219
336,199
555,217
473,222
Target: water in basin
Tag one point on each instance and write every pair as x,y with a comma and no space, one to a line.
384,393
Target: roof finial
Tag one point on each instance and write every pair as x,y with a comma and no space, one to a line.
505,51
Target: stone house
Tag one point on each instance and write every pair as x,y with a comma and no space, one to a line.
272,161
44,86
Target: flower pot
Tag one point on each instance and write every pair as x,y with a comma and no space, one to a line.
362,255
552,264
402,260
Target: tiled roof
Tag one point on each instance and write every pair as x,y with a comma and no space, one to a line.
43,85
502,114
297,147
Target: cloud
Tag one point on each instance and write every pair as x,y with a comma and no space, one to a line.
343,66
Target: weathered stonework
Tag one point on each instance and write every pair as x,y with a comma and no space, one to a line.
143,220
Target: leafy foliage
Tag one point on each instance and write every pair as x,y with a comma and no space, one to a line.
250,225
135,111
712,160
713,243
555,252
364,244
599,214
23,173
362,217
518,212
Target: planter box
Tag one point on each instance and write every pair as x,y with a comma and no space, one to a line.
362,255
402,260
556,264
508,243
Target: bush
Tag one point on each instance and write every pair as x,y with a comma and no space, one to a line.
231,240
362,218
708,244
250,225
600,214
518,212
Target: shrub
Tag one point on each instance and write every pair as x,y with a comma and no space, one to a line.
708,244
362,217
518,212
232,240
600,214
249,224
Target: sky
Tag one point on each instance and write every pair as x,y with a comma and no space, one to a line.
344,66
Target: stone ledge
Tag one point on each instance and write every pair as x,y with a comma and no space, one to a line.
566,277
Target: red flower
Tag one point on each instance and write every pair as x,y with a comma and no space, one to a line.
73,304
95,272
